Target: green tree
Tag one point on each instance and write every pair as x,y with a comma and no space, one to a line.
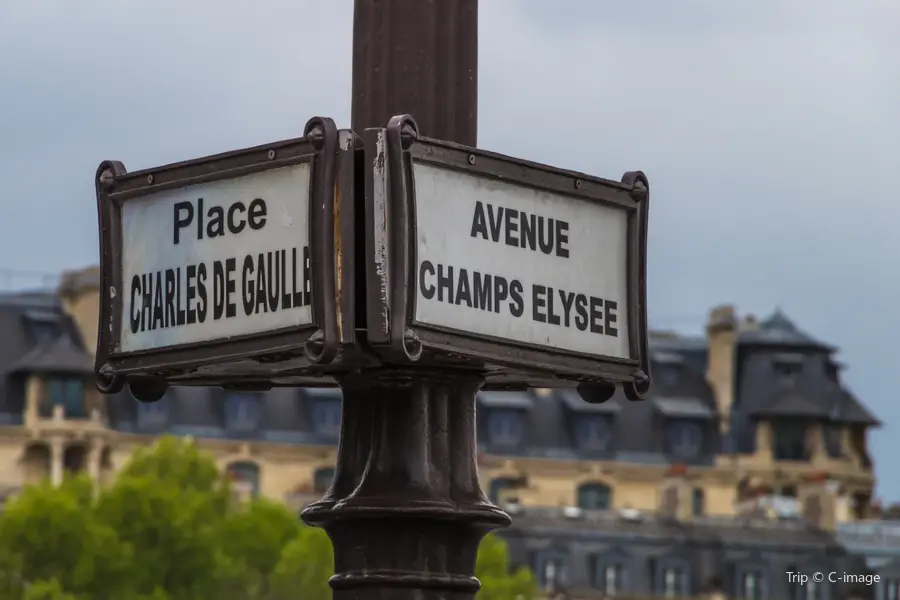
498,581
168,528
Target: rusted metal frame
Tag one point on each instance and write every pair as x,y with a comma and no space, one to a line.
393,330
318,341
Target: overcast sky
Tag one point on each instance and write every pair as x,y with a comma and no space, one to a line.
770,131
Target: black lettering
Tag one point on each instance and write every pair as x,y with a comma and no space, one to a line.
517,305
482,288
199,218
146,301
236,227
135,298
169,317
256,215
538,302
261,287
562,239
426,268
296,297
180,311
216,226
218,290
191,294
552,317
445,283
596,305
545,236
567,298
581,315
511,223
158,314
202,305
307,277
230,306
272,264
179,222
249,288
501,291
496,221
479,224
529,231
463,293
610,319
285,296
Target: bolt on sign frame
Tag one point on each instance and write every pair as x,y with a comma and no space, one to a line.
394,157
306,354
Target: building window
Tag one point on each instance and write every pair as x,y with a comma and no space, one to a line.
593,433
245,477
698,501
594,496
552,572
751,585
322,479
789,491
505,427
498,486
68,393
153,415
684,439
890,589
813,590
327,417
831,437
790,441
242,412
788,368
673,582
609,577
666,375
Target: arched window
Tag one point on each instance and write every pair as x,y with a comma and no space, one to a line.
594,496
322,479
498,486
245,475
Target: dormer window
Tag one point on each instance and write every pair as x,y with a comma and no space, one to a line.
68,393
327,417
787,365
242,411
505,427
790,441
666,374
684,439
593,433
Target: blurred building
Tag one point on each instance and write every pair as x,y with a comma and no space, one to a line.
751,419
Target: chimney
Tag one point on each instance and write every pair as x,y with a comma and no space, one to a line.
819,500
79,292
721,334
676,495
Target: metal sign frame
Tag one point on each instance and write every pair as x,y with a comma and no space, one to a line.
391,263
286,351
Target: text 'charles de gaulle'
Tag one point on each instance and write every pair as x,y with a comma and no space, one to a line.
247,285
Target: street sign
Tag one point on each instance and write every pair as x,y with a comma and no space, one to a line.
534,273
229,269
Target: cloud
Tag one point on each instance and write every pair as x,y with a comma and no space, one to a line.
769,131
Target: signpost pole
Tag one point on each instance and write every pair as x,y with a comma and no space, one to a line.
405,511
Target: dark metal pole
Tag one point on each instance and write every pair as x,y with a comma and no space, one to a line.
417,57
405,512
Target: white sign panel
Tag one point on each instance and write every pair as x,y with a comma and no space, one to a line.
215,260
520,264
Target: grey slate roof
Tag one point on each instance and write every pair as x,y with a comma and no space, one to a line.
39,337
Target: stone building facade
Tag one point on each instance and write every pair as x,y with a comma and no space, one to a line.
751,414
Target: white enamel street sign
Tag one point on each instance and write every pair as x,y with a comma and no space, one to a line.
216,260
520,264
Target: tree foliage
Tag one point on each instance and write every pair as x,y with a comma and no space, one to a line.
168,528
